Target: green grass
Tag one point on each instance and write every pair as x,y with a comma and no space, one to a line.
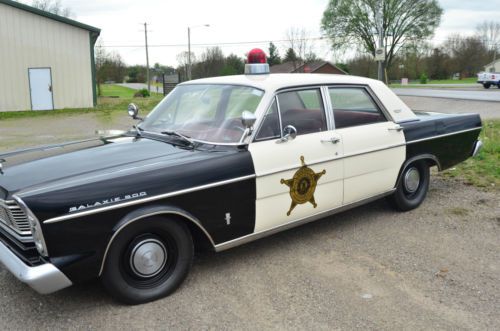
109,90
105,105
484,170
469,80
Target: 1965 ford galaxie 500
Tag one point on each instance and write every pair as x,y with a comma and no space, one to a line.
218,163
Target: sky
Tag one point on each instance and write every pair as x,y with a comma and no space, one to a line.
233,21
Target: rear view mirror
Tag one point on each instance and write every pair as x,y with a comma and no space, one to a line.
133,111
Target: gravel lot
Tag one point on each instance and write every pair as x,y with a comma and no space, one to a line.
436,267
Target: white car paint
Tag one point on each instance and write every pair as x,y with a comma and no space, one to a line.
365,162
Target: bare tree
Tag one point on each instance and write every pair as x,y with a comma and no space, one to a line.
183,60
53,6
489,33
468,54
109,66
299,40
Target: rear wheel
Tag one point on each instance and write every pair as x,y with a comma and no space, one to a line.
486,85
412,187
148,260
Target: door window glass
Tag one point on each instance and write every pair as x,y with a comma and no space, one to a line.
353,107
303,110
270,128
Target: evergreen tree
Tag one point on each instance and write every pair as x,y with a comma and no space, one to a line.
274,57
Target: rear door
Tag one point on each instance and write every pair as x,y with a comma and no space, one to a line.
300,177
374,146
41,88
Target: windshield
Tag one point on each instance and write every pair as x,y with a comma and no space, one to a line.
210,113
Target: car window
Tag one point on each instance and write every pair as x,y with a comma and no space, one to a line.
270,128
303,110
353,107
205,112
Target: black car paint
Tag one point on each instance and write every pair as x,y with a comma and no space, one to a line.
54,179
450,138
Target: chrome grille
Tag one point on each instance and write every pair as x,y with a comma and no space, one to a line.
12,216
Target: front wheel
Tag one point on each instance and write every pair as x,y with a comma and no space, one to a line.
486,85
412,187
148,260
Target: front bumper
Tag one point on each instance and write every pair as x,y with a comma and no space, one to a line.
44,279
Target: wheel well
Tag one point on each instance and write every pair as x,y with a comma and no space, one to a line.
430,159
200,240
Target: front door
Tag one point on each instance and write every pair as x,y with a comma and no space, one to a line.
41,89
296,177
374,146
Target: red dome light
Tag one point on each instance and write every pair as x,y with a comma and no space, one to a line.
256,55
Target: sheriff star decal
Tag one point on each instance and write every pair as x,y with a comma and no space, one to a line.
303,185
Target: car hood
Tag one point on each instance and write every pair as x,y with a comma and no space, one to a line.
39,166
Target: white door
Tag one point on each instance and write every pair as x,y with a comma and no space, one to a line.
41,89
299,177
374,147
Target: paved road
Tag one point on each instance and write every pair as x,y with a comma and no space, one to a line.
139,86
481,95
464,93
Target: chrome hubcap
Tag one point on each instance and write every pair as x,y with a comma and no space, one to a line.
148,258
412,180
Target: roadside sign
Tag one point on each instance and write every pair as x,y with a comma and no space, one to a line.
404,81
380,54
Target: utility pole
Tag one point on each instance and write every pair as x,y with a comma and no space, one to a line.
189,54
147,56
381,41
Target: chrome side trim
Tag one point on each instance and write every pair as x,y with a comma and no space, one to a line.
144,200
254,236
44,279
161,212
443,135
329,159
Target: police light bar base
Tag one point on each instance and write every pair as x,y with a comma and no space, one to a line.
257,69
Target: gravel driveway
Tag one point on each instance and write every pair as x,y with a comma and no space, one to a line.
436,267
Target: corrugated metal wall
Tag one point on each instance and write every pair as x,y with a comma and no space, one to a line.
31,41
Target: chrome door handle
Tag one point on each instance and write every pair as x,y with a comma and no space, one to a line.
332,140
397,128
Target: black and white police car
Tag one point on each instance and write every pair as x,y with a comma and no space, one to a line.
218,163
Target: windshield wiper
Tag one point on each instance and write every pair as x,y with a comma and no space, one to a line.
138,130
179,135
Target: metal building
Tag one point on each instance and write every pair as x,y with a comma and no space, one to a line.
46,61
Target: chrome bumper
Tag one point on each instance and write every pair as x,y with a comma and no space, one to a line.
44,279
477,148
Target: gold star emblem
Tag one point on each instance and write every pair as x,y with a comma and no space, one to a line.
303,185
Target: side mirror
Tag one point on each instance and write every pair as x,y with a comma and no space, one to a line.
248,119
289,133
133,111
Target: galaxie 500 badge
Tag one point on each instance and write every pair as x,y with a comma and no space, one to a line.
108,201
303,185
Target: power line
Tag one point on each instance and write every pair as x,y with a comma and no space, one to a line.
235,43
212,44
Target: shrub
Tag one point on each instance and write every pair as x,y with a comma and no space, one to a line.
423,78
142,93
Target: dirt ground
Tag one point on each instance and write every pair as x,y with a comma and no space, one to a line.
436,267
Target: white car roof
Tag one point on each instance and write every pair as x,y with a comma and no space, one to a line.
273,82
